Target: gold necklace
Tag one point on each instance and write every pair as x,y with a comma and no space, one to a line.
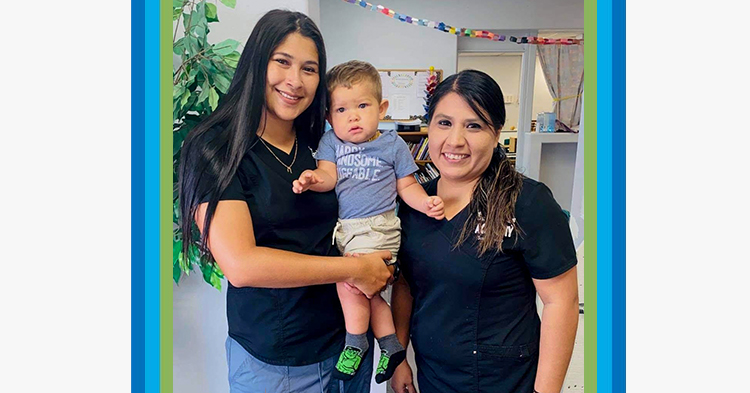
288,167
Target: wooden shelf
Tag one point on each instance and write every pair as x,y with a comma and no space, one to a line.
413,133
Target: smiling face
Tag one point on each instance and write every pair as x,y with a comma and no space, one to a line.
355,112
292,78
460,143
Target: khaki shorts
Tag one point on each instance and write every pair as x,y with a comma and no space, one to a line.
365,235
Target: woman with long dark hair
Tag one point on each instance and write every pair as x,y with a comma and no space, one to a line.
468,301
285,322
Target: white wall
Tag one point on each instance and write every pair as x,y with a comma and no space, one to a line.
483,14
557,169
506,71
238,23
542,98
199,363
352,32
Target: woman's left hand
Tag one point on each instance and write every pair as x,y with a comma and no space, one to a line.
403,379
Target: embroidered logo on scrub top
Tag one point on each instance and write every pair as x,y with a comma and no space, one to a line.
479,230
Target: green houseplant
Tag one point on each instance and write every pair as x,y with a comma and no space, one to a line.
200,79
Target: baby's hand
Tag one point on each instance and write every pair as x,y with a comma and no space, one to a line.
307,179
435,207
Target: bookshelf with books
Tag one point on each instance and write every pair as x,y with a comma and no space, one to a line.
417,142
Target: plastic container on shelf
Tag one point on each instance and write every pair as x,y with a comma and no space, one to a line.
540,122
545,122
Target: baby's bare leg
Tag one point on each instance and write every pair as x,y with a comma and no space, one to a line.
356,310
380,317
356,317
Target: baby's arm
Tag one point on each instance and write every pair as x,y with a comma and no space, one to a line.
320,180
414,195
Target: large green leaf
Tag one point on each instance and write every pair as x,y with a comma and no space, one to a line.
192,74
187,20
229,3
207,67
179,47
191,44
185,264
200,30
191,103
215,280
198,23
212,274
213,99
176,249
176,273
225,47
221,66
176,13
211,13
232,59
222,82
178,3
176,216
204,92
185,97
178,90
206,271
176,111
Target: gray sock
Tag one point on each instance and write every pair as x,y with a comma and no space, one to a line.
390,344
358,341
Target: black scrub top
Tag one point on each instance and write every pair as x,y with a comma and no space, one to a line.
289,326
474,324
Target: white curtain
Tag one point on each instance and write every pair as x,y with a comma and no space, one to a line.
563,70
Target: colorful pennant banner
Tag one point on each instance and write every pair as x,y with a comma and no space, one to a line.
461,31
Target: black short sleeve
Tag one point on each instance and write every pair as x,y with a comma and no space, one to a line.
233,192
547,243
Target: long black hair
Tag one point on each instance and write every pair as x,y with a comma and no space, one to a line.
493,201
209,160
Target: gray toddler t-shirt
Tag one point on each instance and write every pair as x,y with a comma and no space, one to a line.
367,172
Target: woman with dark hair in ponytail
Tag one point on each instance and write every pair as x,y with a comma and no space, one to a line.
286,326
468,301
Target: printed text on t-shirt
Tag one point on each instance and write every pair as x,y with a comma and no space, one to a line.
351,163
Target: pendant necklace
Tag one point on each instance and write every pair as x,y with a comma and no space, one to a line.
288,167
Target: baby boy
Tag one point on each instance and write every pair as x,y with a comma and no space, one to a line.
368,168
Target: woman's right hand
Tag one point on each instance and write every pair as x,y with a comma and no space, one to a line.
373,274
402,380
